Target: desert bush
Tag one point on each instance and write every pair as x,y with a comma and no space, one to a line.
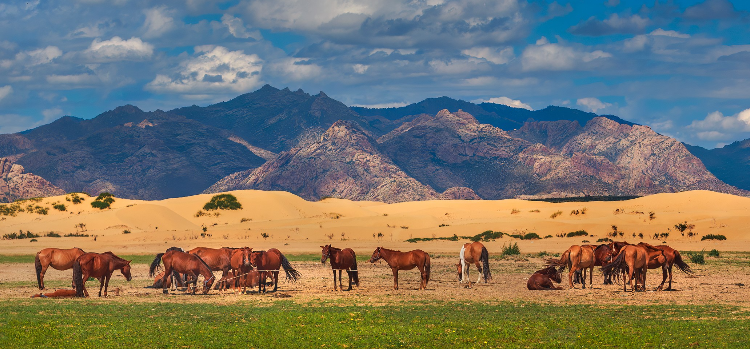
59,207
514,211
126,231
74,198
713,253
713,237
223,202
243,220
77,235
531,236
554,215
604,240
52,234
20,235
651,215
103,201
698,258
511,250
577,233
11,209
487,235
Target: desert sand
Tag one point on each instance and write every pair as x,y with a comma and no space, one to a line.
298,226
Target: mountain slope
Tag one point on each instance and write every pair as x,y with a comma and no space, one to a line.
16,184
730,163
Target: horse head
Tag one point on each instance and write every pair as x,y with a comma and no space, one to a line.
255,258
208,283
325,253
126,271
375,255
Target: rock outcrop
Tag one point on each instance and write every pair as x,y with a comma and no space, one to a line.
15,184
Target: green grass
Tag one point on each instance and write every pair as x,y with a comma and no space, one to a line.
284,324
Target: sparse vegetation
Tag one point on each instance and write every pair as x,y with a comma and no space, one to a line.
10,209
535,211
487,235
577,233
511,250
20,235
243,220
223,202
74,198
604,240
52,234
578,212
443,225
200,213
103,201
59,207
713,237
554,215
126,231
651,215
514,211
714,253
682,227
698,258
266,236
76,235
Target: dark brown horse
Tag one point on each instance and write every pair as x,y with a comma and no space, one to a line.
218,259
100,266
576,258
398,260
57,258
477,254
341,260
268,264
241,267
542,279
633,262
183,263
671,257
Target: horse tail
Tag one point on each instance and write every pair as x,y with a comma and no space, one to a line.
38,267
355,273
427,267
291,273
617,267
562,262
681,264
485,259
78,278
154,265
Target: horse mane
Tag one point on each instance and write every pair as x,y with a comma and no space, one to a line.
204,262
334,248
601,246
173,248
648,246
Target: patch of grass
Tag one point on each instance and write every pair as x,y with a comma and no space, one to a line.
697,258
76,235
52,234
713,237
20,235
487,235
511,249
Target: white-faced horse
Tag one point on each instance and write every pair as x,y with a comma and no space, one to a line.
475,253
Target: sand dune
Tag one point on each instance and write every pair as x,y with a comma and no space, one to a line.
301,226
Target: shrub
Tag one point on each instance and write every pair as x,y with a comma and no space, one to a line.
126,231
77,235
514,211
99,204
487,235
52,234
554,215
713,253
59,207
33,240
223,202
20,235
511,250
74,198
697,258
604,240
531,236
713,237
41,210
104,200
577,233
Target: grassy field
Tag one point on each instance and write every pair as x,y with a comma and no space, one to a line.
285,324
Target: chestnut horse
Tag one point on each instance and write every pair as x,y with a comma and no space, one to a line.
341,260
241,268
100,266
398,260
576,258
542,279
183,263
475,253
632,260
671,257
268,263
602,255
56,294
58,258
218,259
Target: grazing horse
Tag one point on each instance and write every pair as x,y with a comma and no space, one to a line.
475,253
100,266
183,263
398,260
576,258
218,259
341,260
241,267
632,260
670,256
58,258
542,279
268,263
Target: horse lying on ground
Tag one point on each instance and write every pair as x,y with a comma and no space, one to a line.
542,279
475,253
341,260
398,260
57,258
57,294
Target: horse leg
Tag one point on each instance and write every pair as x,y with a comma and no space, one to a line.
341,285
570,276
591,276
334,280
276,280
423,278
395,278
101,284
41,277
663,277
669,288
350,280
106,284
480,271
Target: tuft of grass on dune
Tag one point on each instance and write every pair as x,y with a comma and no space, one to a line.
285,324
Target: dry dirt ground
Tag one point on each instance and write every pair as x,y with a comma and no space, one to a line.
720,281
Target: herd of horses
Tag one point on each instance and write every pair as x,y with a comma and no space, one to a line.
243,267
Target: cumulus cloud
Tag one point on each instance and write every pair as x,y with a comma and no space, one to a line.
158,21
491,54
592,104
295,69
237,28
615,24
117,49
52,114
214,70
548,56
509,102
5,91
658,38
73,80
40,56
716,126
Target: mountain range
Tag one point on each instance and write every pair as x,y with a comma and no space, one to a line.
315,146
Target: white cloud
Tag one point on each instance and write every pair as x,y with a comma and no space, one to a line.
52,114
5,91
658,38
716,126
77,80
306,14
360,68
117,49
215,70
237,28
296,69
509,102
546,56
592,103
158,22
40,56
490,54
670,33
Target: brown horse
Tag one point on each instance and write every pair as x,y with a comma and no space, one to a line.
542,279
100,266
602,255
183,263
341,260
632,260
58,258
250,279
56,294
218,259
670,256
398,260
268,263
241,267
475,253
576,258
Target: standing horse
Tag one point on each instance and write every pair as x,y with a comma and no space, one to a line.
576,258
665,260
632,260
100,266
183,263
241,267
218,259
398,260
542,279
60,259
341,260
475,253
602,255
268,263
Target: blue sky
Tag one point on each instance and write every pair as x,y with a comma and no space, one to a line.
681,67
